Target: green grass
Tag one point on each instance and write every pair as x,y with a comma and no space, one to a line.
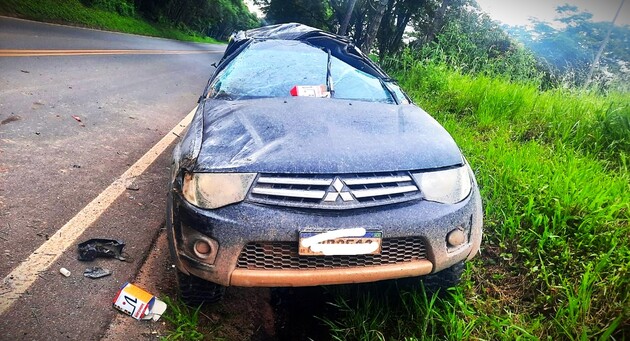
75,13
183,320
553,171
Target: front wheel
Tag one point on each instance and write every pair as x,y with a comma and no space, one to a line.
435,283
195,291
439,282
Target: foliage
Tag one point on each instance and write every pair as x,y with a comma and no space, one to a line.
472,43
553,172
179,19
183,319
312,13
74,12
122,7
215,18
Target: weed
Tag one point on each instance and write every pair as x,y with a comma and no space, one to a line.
183,319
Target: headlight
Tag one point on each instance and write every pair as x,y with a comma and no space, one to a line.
448,186
214,190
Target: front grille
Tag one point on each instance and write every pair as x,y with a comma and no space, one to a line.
284,256
334,191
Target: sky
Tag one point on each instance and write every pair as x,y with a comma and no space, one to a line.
518,12
253,8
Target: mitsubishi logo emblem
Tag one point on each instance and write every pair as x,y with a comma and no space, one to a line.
336,191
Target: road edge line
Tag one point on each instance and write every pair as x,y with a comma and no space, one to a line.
20,279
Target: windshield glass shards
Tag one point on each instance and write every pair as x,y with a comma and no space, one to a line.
273,68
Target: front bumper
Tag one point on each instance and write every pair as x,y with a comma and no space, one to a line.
231,228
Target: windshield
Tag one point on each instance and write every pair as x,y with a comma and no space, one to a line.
272,68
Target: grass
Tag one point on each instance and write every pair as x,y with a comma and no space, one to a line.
553,171
73,12
184,320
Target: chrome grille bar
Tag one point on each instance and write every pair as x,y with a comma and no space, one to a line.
292,193
376,192
376,180
295,181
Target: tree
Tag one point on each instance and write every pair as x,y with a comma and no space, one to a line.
312,13
438,20
343,29
570,51
395,22
373,25
215,18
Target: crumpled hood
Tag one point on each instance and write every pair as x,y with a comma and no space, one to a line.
314,135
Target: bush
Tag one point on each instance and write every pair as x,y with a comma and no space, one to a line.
122,7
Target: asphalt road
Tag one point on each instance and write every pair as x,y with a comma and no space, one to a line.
70,125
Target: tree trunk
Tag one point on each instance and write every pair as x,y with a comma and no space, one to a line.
437,22
343,29
395,41
373,26
359,26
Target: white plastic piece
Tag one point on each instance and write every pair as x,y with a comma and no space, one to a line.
64,272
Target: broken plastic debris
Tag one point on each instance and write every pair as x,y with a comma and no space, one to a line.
77,118
138,303
107,248
310,91
64,272
96,272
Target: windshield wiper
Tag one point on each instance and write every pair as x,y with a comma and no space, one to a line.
391,92
329,80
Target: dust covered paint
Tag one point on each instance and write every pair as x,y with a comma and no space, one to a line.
308,135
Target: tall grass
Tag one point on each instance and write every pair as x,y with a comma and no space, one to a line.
76,13
553,172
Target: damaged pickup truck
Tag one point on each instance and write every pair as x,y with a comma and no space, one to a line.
306,165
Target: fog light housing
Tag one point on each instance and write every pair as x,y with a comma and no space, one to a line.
202,249
197,246
456,237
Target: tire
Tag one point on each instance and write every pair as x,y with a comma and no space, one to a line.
195,291
441,281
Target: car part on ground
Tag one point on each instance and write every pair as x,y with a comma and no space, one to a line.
98,247
96,272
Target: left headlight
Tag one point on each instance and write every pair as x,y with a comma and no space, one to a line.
214,190
447,186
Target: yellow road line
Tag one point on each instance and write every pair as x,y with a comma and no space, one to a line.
16,283
39,53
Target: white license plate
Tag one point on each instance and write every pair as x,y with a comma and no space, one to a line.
340,242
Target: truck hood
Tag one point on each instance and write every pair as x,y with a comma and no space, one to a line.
316,135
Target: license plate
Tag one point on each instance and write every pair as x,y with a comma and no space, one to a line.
356,241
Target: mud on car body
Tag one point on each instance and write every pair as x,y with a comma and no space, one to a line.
351,183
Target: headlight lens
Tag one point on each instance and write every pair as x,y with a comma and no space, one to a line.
214,190
448,186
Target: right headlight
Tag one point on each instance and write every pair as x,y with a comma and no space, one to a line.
447,186
214,190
